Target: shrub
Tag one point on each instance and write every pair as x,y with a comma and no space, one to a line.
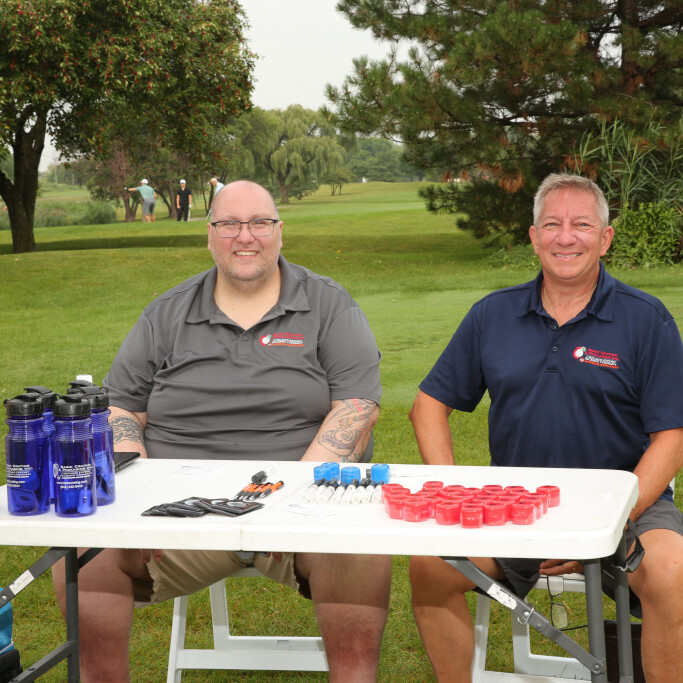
518,256
646,236
77,213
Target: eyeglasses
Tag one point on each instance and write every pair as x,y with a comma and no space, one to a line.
258,227
558,610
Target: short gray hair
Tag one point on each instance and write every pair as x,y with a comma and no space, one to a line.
567,181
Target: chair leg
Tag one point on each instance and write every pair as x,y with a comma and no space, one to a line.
174,674
481,636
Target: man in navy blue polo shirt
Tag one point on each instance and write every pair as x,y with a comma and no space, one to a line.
582,371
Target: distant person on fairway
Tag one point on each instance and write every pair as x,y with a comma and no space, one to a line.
149,199
183,201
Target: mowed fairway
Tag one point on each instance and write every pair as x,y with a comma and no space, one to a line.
67,307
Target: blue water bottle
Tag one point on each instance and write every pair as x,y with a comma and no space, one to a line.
103,441
48,398
28,487
74,458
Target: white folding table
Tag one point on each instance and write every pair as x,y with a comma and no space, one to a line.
588,525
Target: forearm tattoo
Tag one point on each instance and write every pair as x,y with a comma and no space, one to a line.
347,429
126,429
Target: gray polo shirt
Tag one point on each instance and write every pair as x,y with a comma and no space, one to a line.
213,390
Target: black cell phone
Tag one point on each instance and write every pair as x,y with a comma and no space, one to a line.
123,459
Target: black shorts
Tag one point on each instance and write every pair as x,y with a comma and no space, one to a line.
522,574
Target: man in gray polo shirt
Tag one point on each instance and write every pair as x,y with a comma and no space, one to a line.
259,359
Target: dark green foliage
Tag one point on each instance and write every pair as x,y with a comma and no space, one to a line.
502,91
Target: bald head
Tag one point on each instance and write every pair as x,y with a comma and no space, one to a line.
243,193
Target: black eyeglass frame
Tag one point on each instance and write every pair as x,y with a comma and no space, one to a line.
552,597
249,224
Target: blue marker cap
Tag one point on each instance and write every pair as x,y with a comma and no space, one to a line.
379,474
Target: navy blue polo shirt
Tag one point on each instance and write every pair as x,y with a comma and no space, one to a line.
586,394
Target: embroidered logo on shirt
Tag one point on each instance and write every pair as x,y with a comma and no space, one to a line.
282,339
605,359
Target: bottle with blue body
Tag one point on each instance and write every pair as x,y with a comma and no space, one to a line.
48,398
74,458
103,441
28,487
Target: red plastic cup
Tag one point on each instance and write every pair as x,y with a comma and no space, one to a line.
433,485
473,490
432,502
447,512
522,513
471,515
508,500
553,493
495,513
453,488
516,489
416,510
538,503
395,504
492,488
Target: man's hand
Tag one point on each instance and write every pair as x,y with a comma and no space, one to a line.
558,567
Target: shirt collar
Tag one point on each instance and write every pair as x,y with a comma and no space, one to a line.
600,306
293,296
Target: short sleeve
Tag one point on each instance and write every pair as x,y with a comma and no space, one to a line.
660,378
131,376
350,357
457,379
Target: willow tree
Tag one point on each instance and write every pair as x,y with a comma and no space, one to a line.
500,92
302,148
79,70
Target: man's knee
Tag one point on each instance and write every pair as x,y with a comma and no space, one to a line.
660,574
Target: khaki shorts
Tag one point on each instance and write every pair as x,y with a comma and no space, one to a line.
181,572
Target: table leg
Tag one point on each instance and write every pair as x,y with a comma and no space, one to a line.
621,599
71,579
596,619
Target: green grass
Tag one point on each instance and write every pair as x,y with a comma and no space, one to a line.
67,307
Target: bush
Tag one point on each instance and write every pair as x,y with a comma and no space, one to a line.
647,236
77,213
518,256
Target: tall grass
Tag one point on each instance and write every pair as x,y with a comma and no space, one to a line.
67,307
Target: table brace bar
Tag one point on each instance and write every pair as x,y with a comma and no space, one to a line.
528,615
69,648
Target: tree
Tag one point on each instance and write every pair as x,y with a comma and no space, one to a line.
80,69
302,148
337,177
500,92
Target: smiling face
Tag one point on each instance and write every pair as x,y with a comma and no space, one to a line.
569,239
245,261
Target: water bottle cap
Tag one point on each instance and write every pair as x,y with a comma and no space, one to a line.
47,396
80,383
98,397
24,405
72,405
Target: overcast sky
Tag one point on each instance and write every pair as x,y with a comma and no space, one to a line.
301,45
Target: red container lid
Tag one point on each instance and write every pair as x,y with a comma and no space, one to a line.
471,516
433,485
522,513
553,493
447,512
394,506
495,514
416,510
